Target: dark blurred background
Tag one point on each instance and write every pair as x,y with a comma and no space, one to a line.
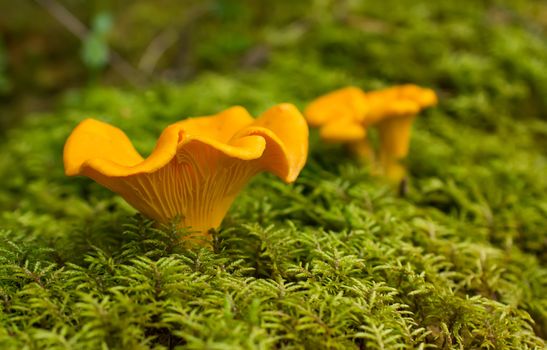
484,50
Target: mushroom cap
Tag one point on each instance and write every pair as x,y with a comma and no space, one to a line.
278,140
347,103
344,130
286,134
398,101
343,115
424,97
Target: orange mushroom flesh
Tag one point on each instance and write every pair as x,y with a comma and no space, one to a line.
390,110
393,111
198,166
339,114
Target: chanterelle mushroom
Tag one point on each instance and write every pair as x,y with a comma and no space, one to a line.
344,116
198,166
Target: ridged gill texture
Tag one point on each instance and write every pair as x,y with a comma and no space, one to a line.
198,166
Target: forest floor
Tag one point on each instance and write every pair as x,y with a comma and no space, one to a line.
337,260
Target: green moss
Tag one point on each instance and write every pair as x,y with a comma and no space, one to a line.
336,261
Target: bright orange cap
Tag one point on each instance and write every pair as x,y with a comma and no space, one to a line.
344,104
198,166
398,101
344,115
392,111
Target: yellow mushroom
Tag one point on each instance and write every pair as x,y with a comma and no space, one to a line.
339,116
198,166
392,111
345,114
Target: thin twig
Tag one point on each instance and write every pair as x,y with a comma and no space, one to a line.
156,49
64,17
76,27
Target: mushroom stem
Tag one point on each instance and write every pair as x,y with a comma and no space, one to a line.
392,168
394,144
363,150
198,186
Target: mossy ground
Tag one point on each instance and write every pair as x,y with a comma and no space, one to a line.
338,260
